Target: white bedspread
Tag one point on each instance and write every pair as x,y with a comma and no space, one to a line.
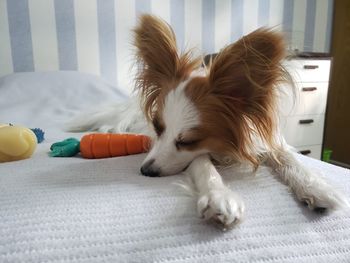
76,210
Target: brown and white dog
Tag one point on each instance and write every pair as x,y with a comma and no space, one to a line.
226,113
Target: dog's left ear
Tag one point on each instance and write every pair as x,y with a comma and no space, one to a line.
244,76
247,70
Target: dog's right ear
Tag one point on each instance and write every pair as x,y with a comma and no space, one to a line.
156,48
159,63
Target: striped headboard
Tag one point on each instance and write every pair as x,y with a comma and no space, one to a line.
94,35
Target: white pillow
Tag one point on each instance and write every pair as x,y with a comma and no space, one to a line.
47,99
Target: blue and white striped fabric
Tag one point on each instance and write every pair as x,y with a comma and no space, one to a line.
94,36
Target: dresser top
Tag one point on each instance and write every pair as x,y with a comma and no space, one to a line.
311,56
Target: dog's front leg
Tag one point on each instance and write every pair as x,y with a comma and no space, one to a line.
308,187
215,200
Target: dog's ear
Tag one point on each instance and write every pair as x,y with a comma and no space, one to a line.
244,76
156,47
248,69
159,63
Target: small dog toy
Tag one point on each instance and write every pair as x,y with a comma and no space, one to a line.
17,142
102,145
39,134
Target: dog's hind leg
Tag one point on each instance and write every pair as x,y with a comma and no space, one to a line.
125,117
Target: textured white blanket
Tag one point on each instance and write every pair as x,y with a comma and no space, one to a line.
76,210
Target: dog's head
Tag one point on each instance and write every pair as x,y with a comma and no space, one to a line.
219,112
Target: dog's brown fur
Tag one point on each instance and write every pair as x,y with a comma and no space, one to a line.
236,100
161,67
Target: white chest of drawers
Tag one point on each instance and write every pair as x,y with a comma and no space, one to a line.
302,116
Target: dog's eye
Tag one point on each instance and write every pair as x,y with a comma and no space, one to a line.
183,143
158,128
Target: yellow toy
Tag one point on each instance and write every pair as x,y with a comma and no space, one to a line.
16,143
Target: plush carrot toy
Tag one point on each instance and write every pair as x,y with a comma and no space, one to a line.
102,145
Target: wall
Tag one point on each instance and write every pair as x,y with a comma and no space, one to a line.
94,35
337,128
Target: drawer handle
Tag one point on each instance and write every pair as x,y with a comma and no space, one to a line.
309,88
306,121
310,66
305,152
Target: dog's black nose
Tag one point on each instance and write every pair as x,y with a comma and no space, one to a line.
147,169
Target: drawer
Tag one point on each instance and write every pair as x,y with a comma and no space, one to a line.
313,151
302,130
303,70
310,98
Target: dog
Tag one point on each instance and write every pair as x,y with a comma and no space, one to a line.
220,114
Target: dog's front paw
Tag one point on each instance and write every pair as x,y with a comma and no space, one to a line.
222,206
320,197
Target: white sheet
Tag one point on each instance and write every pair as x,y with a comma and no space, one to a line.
47,99
76,210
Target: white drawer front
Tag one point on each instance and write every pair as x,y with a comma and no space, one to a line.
298,134
311,98
313,151
308,70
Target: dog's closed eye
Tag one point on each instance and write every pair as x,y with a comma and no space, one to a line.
185,143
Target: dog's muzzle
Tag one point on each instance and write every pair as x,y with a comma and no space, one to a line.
148,170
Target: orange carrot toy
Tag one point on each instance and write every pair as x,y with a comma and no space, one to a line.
102,145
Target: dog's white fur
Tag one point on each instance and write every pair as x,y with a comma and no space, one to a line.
180,115
215,200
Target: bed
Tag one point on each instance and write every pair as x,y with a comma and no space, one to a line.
78,210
